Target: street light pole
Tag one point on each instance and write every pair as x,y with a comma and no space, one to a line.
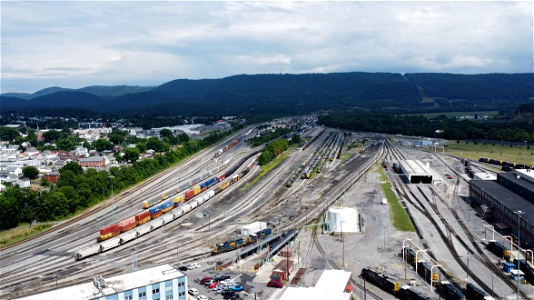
416,260
519,213
403,256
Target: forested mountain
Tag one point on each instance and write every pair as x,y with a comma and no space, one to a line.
287,94
98,90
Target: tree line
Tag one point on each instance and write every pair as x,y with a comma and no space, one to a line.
418,125
76,190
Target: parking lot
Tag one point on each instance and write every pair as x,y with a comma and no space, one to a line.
244,279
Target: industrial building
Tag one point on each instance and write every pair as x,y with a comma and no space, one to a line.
332,285
511,192
162,282
416,171
343,219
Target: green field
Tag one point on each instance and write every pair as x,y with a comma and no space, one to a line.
515,154
490,114
16,234
399,217
268,167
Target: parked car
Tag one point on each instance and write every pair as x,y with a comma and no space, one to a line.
193,266
219,289
202,297
222,278
203,280
275,283
234,297
183,268
228,294
208,282
193,291
237,288
213,284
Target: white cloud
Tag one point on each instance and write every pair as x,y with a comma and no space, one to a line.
73,44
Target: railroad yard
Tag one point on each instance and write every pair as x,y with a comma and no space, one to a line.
292,200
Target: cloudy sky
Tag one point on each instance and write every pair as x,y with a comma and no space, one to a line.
76,44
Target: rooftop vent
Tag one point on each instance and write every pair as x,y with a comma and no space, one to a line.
99,282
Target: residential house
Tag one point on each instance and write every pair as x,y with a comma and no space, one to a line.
15,170
93,161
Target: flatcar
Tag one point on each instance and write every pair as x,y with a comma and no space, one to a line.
382,281
498,249
472,292
449,292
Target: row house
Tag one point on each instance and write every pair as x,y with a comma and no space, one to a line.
93,161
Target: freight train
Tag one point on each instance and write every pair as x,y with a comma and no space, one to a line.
155,217
449,292
499,249
472,292
241,242
392,286
527,269
423,268
506,166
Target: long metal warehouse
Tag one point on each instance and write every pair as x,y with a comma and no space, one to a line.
416,171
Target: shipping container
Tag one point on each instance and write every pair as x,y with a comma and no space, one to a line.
166,206
128,236
225,185
203,186
196,189
189,194
109,232
109,244
220,178
127,224
142,218
178,200
155,212
88,251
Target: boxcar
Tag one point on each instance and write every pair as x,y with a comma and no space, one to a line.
127,224
109,232
225,185
155,212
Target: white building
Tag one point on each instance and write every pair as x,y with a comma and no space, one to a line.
332,285
162,282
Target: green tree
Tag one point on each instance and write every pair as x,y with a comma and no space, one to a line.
131,154
45,182
30,172
141,146
8,133
183,138
72,166
67,144
165,133
32,137
102,145
116,139
51,135
296,139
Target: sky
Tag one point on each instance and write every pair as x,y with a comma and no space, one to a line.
77,44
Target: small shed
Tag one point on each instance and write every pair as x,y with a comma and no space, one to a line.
508,267
52,177
283,269
285,252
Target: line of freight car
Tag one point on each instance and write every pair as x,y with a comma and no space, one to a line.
527,269
145,224
424,269
241,242
472,292
304,165
504,163
230,145
313,140
151,202
311,161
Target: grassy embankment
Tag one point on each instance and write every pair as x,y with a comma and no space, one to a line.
399,217
514,154
16,234
268,167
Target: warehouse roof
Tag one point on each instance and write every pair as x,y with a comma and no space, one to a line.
114,284
334,280
292,293
415,167
91,159
524,181
509,199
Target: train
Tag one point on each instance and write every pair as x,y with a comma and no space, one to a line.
507,166
384,163
527,269
392,286
241,242
155,217
499,249
449,292
423,268
227,147
472,292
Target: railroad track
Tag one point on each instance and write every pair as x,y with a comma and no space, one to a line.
448,242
